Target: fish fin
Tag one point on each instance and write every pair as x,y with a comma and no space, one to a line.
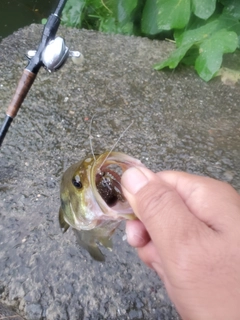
106,242
63,224
87,240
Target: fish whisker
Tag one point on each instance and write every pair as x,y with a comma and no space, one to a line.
90,138
120,137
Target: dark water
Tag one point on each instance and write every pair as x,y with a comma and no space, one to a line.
15,14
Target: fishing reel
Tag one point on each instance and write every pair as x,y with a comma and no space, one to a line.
55,54
52,53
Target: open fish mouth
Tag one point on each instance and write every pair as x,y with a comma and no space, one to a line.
105,181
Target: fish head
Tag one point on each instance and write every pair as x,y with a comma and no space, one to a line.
77,202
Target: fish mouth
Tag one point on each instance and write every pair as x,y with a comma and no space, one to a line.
105,180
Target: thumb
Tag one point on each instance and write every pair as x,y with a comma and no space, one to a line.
159,206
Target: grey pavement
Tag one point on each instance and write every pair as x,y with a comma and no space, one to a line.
179,123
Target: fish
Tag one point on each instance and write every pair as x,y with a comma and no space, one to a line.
92,200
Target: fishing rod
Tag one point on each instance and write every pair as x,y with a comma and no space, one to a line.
52,53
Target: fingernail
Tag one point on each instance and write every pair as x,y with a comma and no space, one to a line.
133,180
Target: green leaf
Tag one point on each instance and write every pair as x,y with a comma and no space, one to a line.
227,21
149,18
203,8
231,23
196,35
212,50
232,7
201,33
72,13
173,14
224,21
185,41
44,21
191,56
174,58
211,39
110,25
125,9
120,16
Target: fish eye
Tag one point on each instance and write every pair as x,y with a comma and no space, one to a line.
76,182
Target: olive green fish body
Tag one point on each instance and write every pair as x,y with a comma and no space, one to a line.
92,202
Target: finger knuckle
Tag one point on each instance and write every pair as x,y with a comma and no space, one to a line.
154,201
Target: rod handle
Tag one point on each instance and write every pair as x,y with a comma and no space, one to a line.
23,87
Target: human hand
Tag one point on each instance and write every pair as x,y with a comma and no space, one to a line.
189,232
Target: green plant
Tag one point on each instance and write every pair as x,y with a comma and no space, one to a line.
103,15
203,30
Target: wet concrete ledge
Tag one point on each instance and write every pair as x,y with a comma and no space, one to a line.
180,123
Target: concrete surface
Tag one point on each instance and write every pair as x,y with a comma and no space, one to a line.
180,123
